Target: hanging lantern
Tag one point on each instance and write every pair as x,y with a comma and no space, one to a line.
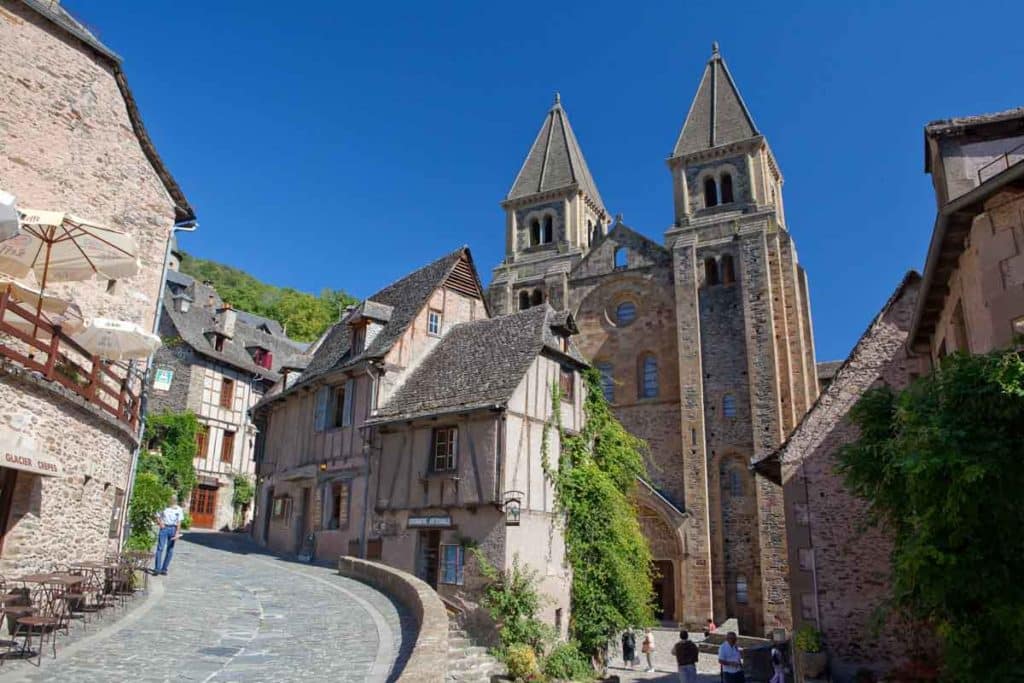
513,507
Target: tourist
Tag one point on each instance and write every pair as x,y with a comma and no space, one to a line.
686,658
731,660
628,647
169,520
709,628
779,672
647,647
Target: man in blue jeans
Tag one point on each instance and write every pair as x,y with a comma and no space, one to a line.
169,520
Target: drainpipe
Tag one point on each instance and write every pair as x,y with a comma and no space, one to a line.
184,226
368,448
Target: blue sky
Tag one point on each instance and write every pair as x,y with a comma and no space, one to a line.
343,144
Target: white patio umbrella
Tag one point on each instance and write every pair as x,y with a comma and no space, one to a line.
117,340
8,216
55,310
59,247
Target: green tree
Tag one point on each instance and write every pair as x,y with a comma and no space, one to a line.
149,496
305,316
942,466
594,485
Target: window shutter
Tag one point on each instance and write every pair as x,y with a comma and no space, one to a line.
320,415
350,392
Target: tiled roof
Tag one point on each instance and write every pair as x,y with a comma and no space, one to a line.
717,115
555,161
194,325
405,297
479,364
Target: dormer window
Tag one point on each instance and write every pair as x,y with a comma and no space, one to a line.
218,342
434,323
358,338
262,357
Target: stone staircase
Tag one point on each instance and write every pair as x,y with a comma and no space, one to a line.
469,663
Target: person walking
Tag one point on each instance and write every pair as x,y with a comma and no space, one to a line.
169,520
686,654
731,660
628,647
647,647
778,668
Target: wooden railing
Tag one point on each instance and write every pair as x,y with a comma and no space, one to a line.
112,387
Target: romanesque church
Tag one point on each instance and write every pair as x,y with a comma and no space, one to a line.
704,341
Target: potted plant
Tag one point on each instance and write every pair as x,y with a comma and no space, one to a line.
813,660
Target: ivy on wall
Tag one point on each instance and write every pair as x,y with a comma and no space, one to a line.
942,465
594,485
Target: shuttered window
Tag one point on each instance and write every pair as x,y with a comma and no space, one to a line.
323,395
227,447
227,393
349,405
452,561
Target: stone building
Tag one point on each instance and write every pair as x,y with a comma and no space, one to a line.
218,363
704,341
973,290
73,140
416,432
838,562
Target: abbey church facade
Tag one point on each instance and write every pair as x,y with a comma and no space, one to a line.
703,341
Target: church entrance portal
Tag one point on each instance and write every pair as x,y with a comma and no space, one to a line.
664,590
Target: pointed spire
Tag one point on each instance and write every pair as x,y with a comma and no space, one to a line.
555,160
717,115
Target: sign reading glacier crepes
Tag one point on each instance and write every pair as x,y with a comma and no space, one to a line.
433,522
18,452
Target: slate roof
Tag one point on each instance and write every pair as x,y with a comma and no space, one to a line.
555,161
479,364
195,325
405,298
180,280
717,114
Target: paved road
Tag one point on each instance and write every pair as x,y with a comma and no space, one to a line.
228,612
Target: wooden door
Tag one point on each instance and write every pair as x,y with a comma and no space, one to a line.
203,507
429,556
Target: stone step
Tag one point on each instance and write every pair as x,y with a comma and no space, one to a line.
466,650
458,641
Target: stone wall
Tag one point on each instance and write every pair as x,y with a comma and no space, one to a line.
428,661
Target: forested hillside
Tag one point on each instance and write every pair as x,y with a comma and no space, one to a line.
304,315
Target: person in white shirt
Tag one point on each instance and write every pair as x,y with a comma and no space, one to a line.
169,520
731,659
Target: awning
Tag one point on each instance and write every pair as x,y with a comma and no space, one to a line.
19,452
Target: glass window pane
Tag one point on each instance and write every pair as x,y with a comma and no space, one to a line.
625,313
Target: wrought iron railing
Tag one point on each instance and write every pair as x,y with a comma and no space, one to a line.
113,387
1001,163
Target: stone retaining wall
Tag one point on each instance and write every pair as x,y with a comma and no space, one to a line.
428,662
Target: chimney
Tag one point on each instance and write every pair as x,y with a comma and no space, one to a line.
225,321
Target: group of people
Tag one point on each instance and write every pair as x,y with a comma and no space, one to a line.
730,656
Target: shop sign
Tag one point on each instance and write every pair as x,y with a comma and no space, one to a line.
432,522
162,379
20,453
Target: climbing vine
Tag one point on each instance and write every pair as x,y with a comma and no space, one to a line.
942,465
594,483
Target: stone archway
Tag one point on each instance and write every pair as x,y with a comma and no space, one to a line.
661,525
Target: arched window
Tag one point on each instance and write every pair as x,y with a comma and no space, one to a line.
649,377
710,193
621,258
534,232
607,381
728,270
625,313
524,300
710,272
726,188
741,590
546,231
595,233
590,230
729,405
537,299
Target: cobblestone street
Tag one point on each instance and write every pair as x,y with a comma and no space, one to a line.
664,661
229,612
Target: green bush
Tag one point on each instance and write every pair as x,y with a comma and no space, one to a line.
567,662
807,639
244,491
149,496
170,440
521,662
512,600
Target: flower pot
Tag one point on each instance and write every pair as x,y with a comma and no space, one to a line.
813,664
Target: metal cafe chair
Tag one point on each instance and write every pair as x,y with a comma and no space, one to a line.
49,617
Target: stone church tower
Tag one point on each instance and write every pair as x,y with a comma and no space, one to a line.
704,343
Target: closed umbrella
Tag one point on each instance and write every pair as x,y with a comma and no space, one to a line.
117,340
8,216
59,247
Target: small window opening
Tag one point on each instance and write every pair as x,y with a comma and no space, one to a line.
546,232
607,381
729,405
649,377
524,300
727,189
621,258
710,193
534,232
625,313
742,595
710,272
728,270
537,298
735,484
